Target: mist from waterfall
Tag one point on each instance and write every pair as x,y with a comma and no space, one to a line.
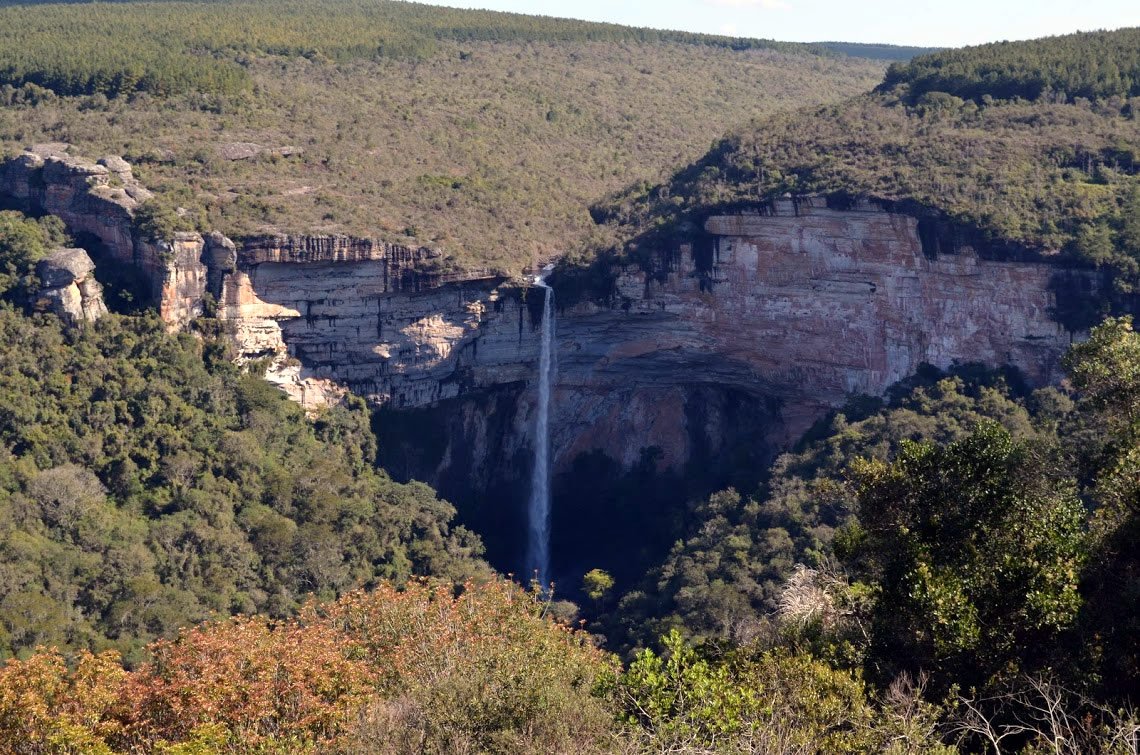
538,511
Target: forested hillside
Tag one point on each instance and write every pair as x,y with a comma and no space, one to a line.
1055,174
1093,65
484,134
146,484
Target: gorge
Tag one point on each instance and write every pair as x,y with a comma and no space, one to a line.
718,359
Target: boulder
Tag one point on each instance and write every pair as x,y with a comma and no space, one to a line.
69,288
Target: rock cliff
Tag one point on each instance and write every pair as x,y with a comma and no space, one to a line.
97,201
726,359
785,312
799,308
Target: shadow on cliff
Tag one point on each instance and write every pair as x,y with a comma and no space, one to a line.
604,515
126,288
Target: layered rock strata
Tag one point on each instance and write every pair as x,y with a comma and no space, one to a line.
788,311
796,308
97,201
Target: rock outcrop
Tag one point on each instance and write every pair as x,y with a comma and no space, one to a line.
97,201
96,198
68,287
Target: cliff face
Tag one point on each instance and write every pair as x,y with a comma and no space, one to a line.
796,307
97,202
334,313
819,304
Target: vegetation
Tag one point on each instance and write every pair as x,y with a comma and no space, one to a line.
975,549
424,669
948,569
1013,176
167,48
486,135
724,579
146,484
23,242
1092,65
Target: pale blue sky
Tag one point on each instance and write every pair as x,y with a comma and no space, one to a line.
949,23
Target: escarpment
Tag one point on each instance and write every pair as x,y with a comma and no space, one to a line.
788,310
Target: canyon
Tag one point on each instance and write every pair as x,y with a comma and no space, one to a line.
727,351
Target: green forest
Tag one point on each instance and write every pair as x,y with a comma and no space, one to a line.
147,485
1093,65
164,48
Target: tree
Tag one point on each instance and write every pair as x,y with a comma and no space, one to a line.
975,551
1106,373
597,584
23,242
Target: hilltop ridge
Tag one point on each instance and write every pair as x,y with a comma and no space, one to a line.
1055,175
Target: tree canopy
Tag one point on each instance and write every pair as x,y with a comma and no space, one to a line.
146,484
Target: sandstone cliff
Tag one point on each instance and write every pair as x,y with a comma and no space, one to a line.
800,307
793,307
97,202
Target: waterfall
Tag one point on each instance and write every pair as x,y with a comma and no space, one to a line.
538,511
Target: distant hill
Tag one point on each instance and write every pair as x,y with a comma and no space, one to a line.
876,52
1090,64
486,134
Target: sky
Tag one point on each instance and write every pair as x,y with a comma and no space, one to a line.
945,23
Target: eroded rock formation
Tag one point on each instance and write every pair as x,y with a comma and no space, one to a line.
97,201
68,287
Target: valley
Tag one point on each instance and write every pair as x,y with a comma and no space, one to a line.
384,378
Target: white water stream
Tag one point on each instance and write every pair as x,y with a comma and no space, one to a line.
538,511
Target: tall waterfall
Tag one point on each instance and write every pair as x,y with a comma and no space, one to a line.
538,526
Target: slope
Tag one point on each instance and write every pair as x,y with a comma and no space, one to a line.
1056,175
485,134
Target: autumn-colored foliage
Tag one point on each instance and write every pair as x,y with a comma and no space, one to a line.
425,668
484,670
47,707
289,683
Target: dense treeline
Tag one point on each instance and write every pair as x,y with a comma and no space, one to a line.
23,242
428,669
966,533
1093,65
146,484
178,47
723,580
